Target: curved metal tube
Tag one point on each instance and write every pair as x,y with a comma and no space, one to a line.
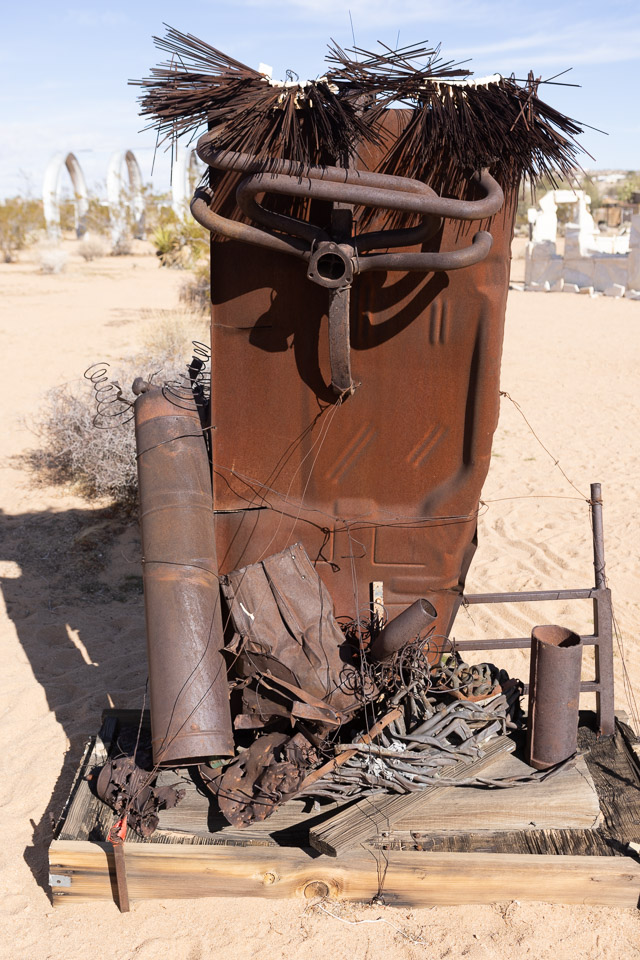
234,230
305,240
404,237
455,260
355,186
230,160
407,237
278,221
351,190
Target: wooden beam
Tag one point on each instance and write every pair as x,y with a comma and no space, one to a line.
83,871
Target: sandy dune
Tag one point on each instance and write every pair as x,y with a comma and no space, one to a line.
72,629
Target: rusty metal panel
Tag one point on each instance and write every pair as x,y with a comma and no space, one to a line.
383,486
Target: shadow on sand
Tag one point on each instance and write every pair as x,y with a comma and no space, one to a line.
76,603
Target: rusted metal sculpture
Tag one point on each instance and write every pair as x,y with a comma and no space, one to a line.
360,257
190,714
554,695
364,283
429,343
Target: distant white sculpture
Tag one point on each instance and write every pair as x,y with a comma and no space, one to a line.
187,169
52,191
590,261
124,196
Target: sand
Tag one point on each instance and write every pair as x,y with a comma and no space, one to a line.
72,628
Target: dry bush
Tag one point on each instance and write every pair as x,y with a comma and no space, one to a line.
167,336
90,248
20,220
123,247
51,259
98,462
96,454
196,292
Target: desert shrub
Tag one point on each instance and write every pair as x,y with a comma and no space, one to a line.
96,453
196,291
90,248
181,243
97,219
98,462
20,219
123,247
158,211
51,259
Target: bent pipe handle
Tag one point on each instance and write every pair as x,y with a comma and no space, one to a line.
352,191
427,262
408,237
278,221
234,230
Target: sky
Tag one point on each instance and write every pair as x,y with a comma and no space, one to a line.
64,68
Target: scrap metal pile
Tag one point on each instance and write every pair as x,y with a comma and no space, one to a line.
254,683
320,464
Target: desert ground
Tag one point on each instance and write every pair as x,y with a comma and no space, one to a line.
72,624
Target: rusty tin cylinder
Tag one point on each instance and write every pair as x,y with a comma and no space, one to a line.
554,695
190,715
403,629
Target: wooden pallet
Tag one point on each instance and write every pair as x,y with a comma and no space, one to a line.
527,848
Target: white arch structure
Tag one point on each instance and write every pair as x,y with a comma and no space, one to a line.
51,191
186,171
125,194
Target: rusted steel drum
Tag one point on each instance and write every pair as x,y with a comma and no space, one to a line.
554,694
385,484
190,716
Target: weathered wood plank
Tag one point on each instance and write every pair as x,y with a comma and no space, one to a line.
86,814
197,815
379,813
567,801
416,879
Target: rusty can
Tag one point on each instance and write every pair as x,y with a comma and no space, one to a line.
554,694
404,628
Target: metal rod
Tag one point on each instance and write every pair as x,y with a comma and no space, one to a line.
530,596
598,536
512,643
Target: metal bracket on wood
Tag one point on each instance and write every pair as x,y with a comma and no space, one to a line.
602,636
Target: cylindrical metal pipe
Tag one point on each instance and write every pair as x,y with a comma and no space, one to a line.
598,535
190,715
554,695
403,629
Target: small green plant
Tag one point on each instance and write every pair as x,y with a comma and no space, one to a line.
181,243
629,187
